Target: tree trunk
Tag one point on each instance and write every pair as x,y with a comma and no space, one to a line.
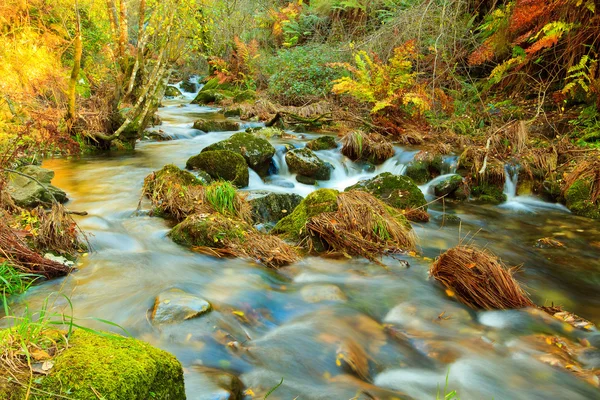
141,43
78,45
123,29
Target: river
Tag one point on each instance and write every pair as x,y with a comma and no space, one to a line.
298,320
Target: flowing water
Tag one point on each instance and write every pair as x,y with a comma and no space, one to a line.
295,321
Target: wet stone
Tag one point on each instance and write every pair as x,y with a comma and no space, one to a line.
175,305
318,293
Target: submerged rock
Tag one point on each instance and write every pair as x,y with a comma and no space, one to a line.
453,188
227,385
175,305
115,366
257,151
28,193
273,207
306,163
578,199
172,91
205,125
397,191
317,293
322,143
222,164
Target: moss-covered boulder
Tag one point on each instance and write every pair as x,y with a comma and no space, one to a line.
206,125
189,86
293,226
244,95
110,367
398,191
273,207
214,231
175,305
488,193
172,91
214,92
306,163
578,200
322,143
26,192
222,164
453,188
425,168
257,151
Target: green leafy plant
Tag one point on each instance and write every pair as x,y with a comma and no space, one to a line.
447,395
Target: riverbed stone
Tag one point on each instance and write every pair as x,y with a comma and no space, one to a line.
106,363
175,305
28,193
306,163
172,91
220,384
322,143
257,151
488,193
206,125
398,191
189,86
273,207
453,188
222,164
425,168
578,199
317,293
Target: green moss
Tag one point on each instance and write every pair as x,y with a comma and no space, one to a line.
579,202
172,175
487,193
322,143
293,226
172,91
245,95
398,191
305,162
425,170
452,188
116,368
222,164
211,231
216,126
257,151
274,206
215,92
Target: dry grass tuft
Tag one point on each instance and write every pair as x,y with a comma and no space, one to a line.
370,147
479,279
58,232
416,215
362,226
587,170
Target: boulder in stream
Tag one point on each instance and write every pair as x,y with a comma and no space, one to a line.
257,151
306,163
116,366
273,207
371,147
206,125
175,305
424,167
453,188
578,197
26,192
398,191
222,164
322,143
172,91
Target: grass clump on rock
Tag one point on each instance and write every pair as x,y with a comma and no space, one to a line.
371,147
479,279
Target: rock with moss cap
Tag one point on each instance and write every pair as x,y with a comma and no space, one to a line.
453,188
172,91
26,192
257,151
206,125
111,367
214,92
222,164
214,231
306,163
273,207
578,200
488,193
294,225
425,168
322,143
398,191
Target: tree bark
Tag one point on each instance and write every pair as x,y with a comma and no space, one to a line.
123,29
112,17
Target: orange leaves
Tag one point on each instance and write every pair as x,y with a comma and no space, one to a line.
482,55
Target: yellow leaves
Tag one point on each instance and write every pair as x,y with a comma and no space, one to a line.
450,293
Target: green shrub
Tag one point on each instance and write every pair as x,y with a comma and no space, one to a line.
300,74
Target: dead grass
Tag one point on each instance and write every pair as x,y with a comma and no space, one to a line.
58,232
362,226
370,147
479,279
586,170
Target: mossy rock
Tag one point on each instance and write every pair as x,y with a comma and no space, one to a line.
293,226
305,162
233,112
397,191
453,188
273,207
208,231
214,92
189,86
322,143
172,91
110,367
222,164
171,175
175,305
257,151
579,202
487,193
28,193
244,95
425,170
216,126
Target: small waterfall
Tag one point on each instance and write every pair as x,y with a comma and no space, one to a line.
512,179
